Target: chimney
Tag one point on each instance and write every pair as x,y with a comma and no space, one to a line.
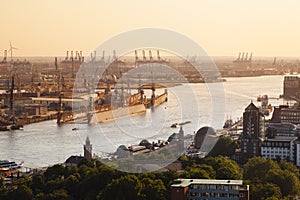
5,55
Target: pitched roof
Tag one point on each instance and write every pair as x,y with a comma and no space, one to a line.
251,106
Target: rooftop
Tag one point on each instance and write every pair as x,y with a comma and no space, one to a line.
282,138
187,182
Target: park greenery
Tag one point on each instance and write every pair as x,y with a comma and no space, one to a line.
268,179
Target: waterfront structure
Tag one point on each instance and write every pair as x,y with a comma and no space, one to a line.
87,149
253,132
285,113
282,147
192,189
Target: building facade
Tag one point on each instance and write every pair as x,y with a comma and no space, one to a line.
291,87
192,189
253,132
284,113
282,147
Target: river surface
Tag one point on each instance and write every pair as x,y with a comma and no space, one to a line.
43,144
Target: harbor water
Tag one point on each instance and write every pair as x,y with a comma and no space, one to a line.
43,144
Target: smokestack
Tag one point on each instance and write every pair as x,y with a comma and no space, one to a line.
250,58
71,55
67,55
5,55
246,56
242,56
239,57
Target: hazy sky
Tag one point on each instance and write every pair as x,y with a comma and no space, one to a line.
221,27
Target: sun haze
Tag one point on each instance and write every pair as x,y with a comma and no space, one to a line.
222,28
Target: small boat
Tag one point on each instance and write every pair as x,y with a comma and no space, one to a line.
177,125
16,127
74,129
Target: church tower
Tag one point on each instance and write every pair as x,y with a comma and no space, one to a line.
87,149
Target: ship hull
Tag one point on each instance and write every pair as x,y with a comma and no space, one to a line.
109,115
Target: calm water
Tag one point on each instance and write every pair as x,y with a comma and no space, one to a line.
45,143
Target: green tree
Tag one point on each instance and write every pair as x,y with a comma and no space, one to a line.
54,172
126,187
257,168
288,183
263,191
153,189
22,192
224,147
224,168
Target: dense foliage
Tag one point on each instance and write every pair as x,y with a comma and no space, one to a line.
268,179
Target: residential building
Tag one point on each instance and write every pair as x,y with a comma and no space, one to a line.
282,147
192,189
297,153
285,113
282,129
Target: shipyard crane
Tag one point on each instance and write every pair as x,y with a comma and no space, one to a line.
158,56
150,55
144,56
115,55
